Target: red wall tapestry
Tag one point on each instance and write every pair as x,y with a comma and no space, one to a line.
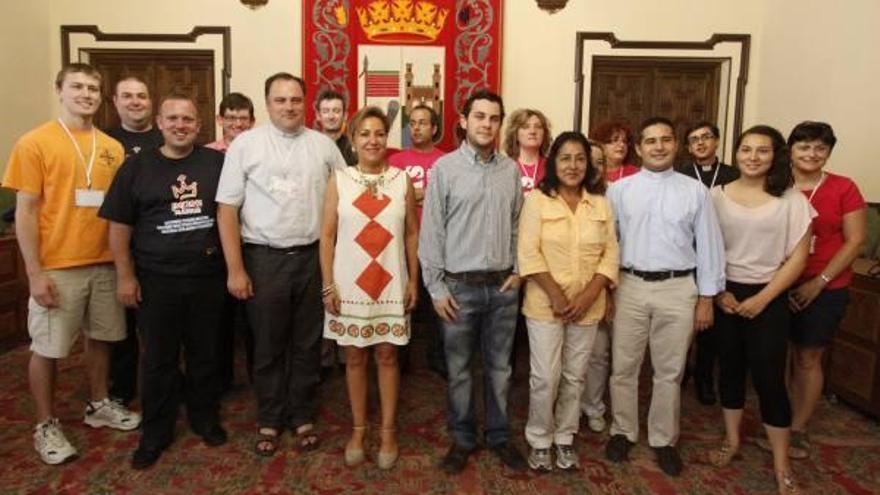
396,54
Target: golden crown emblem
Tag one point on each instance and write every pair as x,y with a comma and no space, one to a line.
395,20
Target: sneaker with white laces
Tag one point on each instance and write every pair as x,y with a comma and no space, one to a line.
567,458
51,444
596,423
113,414
539,460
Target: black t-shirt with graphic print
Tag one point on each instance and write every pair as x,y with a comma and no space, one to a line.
170,206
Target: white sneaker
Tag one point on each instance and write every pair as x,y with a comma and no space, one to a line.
539,460
51,444
596,423
567,458
113,414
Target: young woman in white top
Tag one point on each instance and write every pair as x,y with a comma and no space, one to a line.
766,228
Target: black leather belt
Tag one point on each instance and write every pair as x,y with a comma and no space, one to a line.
658,276
291,249
480,278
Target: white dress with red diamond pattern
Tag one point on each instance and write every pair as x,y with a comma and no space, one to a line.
369,267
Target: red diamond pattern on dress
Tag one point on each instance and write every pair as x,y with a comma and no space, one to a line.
373,238
370,205
373,280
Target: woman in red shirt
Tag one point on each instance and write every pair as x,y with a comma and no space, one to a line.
526,140
616,139
820,298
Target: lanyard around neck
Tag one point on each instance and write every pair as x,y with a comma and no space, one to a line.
818,185
714,177
91,163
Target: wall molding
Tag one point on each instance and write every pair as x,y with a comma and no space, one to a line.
744,40
225,32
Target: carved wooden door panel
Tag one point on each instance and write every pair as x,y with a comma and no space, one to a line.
165,71
633,89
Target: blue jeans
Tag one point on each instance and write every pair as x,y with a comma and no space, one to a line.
486,321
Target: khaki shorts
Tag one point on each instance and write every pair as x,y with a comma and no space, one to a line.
87,302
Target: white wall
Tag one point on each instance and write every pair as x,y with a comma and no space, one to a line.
810,59
26,81
821,62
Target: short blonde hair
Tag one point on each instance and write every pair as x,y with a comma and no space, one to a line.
518,119
370,112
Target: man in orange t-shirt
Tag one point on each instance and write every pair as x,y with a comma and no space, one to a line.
60,171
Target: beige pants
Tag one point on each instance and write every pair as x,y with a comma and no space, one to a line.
659,315
596,380
86,303
558,355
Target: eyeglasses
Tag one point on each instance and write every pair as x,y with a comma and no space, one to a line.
701,138
236,119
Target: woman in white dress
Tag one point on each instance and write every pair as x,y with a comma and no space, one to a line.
369,270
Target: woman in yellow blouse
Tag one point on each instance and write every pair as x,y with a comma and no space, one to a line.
568,254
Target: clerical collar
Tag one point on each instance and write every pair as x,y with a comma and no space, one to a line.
669,172
286,134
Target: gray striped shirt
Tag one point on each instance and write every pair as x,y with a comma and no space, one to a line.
470,217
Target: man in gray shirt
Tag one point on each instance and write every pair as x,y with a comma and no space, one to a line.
270,199
468,256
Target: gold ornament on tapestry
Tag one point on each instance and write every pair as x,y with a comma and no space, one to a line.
383,19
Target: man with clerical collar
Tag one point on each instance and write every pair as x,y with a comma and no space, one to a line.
671,264
467,250
236,115
169,266
270,201
701,140
135,108
60,171
332,114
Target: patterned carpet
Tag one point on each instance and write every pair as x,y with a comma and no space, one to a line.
847,460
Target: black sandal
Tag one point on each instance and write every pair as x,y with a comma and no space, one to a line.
267,443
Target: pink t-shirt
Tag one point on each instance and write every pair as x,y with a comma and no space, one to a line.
417,165
758,240
835,197
219,145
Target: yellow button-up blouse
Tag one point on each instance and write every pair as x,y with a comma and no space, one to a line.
571,246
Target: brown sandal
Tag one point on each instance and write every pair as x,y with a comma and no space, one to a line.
305,437
723,455
267,443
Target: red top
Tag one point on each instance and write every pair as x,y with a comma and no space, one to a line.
623,171
835,197
531,175
417,165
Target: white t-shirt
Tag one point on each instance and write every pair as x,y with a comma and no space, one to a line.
758,240
278,179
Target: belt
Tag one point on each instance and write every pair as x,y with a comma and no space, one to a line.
480,278
658,276
284,250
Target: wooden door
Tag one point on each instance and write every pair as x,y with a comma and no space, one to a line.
165,71
631,90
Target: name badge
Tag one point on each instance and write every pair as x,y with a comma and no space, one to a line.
282,186
813,245
89,198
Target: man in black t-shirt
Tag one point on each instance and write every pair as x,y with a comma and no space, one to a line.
701,140
136,133
135,108
331,115
163,234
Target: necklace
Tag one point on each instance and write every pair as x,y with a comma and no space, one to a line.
372,185
714,177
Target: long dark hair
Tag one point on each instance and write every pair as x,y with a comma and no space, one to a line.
549,185
779,177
